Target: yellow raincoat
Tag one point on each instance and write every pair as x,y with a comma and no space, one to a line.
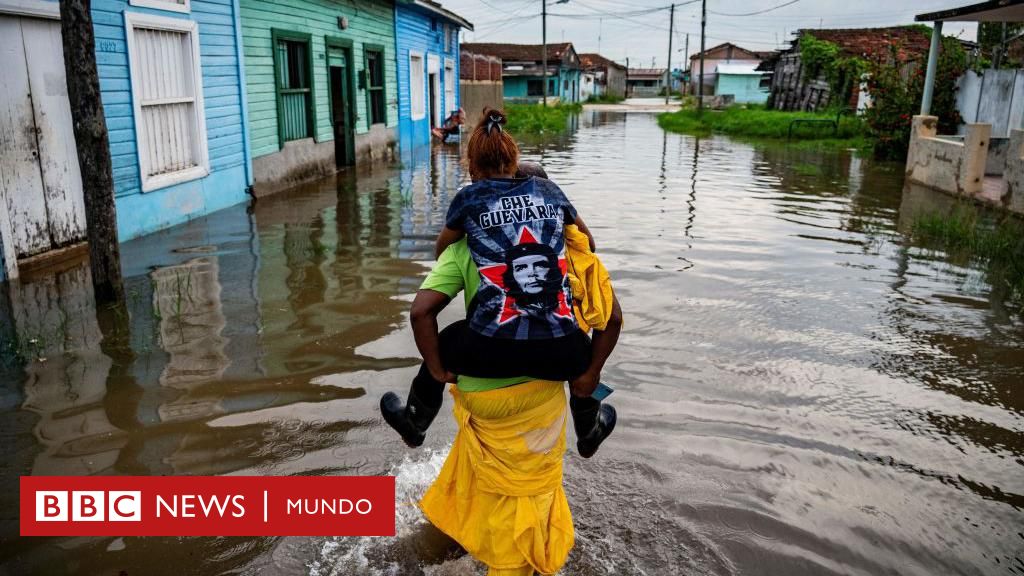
591,286
499,493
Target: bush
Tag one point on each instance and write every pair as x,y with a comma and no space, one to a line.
897,95
604,99
757,122
537,118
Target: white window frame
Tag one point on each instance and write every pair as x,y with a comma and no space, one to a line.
449,84
149,21
163,5
422,112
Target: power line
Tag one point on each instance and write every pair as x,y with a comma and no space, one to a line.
791,2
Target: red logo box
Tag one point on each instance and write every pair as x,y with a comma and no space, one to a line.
207,506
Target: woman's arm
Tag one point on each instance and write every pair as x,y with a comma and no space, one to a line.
583,228
423,315
446,238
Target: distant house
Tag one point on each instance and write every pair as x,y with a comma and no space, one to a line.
427,37
522,70
795,87
609,77
727,53
743,81
642,82
321,85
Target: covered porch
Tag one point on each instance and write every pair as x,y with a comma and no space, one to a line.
980,163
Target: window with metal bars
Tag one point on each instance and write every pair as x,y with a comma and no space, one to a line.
375,86
294,85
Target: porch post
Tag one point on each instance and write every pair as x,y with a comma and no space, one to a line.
933,61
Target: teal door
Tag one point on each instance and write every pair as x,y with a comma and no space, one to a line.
342,113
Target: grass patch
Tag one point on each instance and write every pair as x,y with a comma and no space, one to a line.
604,99
538,119
758,123
962,235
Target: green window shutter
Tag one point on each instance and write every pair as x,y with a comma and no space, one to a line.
293,73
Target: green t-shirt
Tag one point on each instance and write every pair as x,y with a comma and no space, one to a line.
456,272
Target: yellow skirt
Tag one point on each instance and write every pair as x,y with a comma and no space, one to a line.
500,491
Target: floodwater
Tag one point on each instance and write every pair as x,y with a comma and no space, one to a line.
800,389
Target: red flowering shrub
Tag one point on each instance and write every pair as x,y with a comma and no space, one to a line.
896,86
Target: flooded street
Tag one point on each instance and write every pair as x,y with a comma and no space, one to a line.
800,390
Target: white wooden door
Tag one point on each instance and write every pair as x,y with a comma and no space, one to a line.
40,183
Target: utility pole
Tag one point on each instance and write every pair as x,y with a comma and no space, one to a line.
600,23
93,149
700,82
544,48
686,58
627,76
668,70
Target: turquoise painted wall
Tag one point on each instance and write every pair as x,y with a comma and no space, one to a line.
369,23
746,87
515,86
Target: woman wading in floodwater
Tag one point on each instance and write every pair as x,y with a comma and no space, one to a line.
500,492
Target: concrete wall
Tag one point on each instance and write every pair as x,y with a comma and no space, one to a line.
1013,173
476,95
955,167
304,160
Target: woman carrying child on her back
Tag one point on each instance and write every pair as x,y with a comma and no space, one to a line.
520,323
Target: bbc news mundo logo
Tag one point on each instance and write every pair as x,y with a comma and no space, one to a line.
207,506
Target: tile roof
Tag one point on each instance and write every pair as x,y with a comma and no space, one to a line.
726,45
591,60
517,52
868,42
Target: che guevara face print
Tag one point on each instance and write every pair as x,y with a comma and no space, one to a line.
515,232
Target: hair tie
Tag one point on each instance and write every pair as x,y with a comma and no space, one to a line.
493,121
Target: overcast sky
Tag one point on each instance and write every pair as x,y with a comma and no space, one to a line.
598,26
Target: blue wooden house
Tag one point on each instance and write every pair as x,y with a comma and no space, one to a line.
172,92
427,38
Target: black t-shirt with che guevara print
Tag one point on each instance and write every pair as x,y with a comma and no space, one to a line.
515,230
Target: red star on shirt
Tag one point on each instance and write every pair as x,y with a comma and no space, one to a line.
495,274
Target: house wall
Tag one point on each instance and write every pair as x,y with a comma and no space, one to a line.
745,87
515,86
278,166
138,212
709,71
615,81
413,33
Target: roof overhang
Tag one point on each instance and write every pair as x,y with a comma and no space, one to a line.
435,8
992,11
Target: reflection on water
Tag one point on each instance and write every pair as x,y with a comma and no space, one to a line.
801,389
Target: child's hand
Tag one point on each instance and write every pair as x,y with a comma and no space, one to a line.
585,384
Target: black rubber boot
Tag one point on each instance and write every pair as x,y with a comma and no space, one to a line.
593,422
412,420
